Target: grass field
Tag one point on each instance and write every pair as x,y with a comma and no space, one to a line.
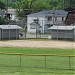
35,65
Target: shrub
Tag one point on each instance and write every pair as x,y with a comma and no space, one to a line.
2,20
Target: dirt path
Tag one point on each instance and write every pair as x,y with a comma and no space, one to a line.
38,44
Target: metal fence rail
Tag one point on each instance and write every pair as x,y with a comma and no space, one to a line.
50,61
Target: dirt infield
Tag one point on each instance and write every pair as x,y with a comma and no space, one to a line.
38,44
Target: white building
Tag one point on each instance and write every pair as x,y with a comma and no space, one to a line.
43,20
9,32
12,14
62,32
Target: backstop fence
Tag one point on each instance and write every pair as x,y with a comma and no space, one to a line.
16,61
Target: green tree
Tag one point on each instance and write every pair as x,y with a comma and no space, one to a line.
2,21
2,5
25,7
53,4
69,3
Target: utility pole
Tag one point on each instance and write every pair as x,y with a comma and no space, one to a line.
63,5
7,12
7,17
53,15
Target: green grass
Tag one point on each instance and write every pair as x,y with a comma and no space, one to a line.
38,50
36,65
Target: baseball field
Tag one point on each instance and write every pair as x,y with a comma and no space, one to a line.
37,57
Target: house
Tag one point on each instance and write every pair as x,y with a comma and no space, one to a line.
62,32
9,32
67,31
70,19
11,13
41,21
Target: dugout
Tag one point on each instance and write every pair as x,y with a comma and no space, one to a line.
62,32
9,32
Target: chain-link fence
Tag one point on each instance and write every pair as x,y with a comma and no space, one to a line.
57,34
14,62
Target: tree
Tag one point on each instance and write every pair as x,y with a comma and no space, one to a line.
53,4
2,21
69,3
2,5
25,7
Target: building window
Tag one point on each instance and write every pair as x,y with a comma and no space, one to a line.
55,18
49,18
32,26
36,20
62,18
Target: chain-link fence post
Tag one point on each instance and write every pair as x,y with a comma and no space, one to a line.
25,31
70,62
45,62
20,60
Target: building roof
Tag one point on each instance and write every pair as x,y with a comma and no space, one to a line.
9,27
56,13
62,27
11,11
